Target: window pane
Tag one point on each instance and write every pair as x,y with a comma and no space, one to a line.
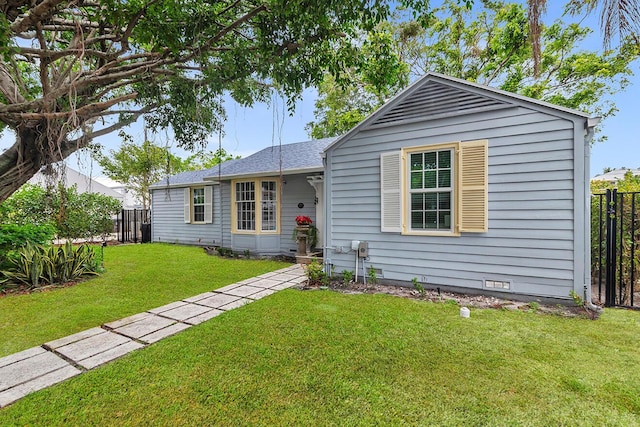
430,179
444,220
444,178
444,159
417,202
416,162
198,213
417,220
430,220
416,180
430,160
444,201
430,203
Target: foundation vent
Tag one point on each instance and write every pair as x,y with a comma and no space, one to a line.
497,284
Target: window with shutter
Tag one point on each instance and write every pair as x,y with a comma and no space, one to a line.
391,192
473,194
198,205
438,189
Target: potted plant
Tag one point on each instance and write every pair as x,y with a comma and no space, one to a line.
305,233
303,221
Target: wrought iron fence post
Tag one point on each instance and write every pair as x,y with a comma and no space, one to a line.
135,226
122,226
610,293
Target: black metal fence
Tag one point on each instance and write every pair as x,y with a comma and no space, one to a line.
615,248
134,225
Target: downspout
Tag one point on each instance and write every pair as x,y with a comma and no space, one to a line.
588,304
325,240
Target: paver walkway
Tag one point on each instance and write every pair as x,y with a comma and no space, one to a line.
39,367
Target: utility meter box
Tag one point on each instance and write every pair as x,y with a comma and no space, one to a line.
363,249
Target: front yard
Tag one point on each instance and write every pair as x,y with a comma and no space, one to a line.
324,358
138,278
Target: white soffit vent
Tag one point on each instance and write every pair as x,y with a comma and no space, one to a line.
497,284
437,99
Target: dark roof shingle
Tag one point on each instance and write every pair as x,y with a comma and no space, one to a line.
298,156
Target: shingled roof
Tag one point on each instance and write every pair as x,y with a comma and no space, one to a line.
297,157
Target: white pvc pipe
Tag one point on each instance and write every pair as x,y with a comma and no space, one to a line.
356,266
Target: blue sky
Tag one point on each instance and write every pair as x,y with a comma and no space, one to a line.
249,130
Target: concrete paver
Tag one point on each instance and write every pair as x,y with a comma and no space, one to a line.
265,283
218,300
26,369
127,320
145,326
38,383
185,312
263,293
39,367
163,333
83,349
75,337
283,285
196,320
167,307
31,370
230,287
109,355
236,304
244,291
199,297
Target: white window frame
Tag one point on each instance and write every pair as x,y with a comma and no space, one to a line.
190,204
432,190
245,208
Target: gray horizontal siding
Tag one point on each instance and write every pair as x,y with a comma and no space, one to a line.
168,223
167,219
530,241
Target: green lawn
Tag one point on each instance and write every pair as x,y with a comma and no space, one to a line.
138,278
324,358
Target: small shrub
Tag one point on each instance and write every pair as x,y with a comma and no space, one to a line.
577,299
316,275
347,276
418,286
372,275
247,254
225,252
534,306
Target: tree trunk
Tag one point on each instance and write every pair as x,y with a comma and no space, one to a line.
28,154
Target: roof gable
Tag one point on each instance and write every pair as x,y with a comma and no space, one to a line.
436,99
436,96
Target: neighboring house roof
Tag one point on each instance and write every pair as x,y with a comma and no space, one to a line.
129,201
418,102
615,175
83,183
288,158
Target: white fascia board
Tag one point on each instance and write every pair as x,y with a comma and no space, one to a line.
264,174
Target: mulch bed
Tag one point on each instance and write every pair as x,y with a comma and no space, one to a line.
460,299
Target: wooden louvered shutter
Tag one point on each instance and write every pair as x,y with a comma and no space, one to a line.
390,192
208,205
187,205
473,194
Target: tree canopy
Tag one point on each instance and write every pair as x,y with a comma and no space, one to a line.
138,166
71,71
491,47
